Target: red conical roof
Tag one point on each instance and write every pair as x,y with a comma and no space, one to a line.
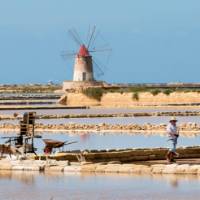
83,51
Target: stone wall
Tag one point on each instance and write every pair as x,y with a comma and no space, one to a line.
126,100
87,167
74,85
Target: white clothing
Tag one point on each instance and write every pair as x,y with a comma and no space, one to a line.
172,131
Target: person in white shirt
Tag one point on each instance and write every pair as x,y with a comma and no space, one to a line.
173,135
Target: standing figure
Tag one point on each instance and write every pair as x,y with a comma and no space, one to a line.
173,135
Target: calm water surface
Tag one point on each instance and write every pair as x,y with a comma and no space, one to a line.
109,120
122,120
113,120
99,110
111,140
24,186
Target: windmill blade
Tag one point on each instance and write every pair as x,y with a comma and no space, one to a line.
66,55
105,46
87,36
92,34
105,55
74,37
95,36
103,65
98,68
101,41
77,35
94,50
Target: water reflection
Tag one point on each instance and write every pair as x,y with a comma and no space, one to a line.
31,177
175,180
23,177
97,186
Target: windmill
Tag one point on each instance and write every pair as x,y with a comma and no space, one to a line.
85,65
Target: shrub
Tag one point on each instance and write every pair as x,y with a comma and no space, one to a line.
167,91
155,92
94,93
135,96
138,89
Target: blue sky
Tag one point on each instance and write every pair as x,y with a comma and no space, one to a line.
151,41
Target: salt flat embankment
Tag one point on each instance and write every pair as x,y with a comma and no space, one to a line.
17,116
131,99
105,168
186,129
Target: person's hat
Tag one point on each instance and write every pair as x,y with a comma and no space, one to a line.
173,119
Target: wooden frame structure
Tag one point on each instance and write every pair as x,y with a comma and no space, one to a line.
25,138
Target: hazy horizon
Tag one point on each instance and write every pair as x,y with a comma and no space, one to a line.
151,41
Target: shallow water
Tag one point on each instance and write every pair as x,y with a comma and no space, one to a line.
111,141
99,110
113,120
58,186
121,120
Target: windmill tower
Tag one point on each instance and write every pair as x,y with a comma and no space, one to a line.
83,67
